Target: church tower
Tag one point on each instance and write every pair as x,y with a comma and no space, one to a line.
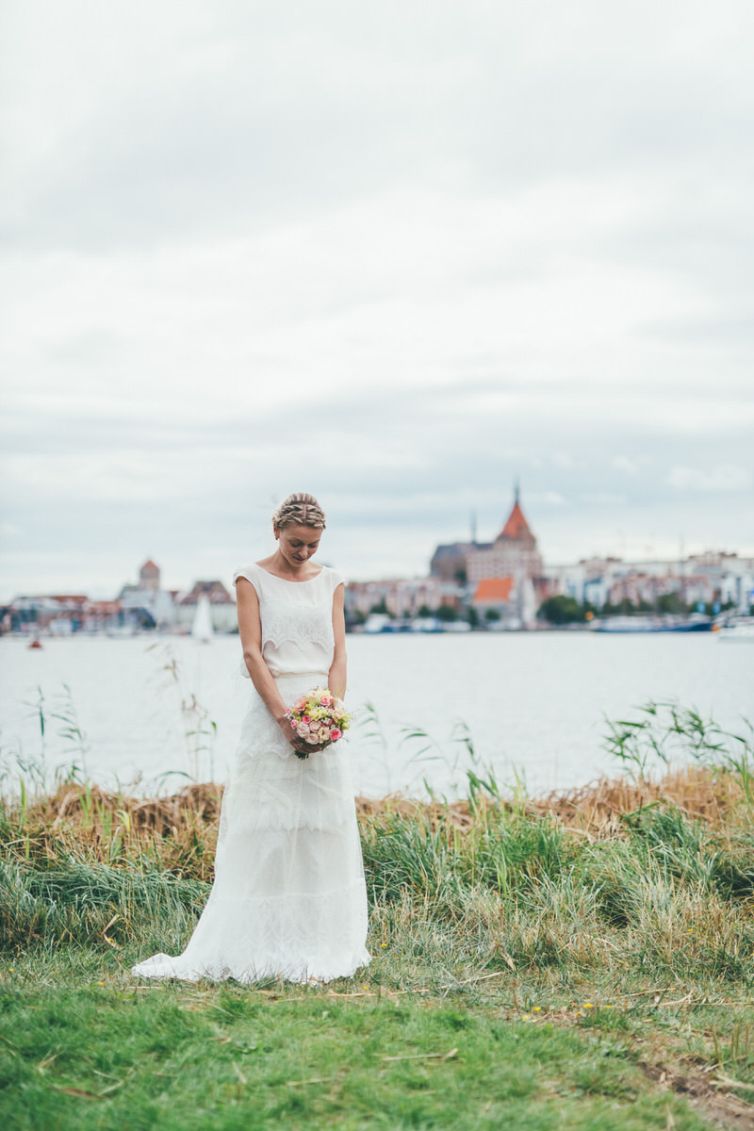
514,553
516,528
149,575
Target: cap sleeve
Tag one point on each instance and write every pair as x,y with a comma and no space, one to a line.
335,579
250,573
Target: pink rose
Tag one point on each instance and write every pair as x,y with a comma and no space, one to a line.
335,734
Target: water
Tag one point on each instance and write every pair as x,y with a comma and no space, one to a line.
535,704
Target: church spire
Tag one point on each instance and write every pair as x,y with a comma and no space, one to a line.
516,527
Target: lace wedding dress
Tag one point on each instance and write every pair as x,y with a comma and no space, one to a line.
289,896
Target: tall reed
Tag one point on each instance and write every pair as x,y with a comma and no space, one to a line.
637,874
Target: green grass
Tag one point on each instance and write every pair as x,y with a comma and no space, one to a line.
532,1018
85,1047
584,966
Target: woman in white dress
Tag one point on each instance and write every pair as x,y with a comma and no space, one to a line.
289,896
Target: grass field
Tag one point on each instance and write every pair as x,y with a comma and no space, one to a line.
579,961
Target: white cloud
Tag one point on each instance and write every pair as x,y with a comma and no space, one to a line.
725,477
599,497
245,254
549,498
625,463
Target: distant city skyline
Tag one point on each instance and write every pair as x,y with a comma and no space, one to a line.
129,568
245,255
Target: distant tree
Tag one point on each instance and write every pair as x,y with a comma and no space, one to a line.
461,575
492,614
446,613
712,608
624,607
671,603
472,616
380,607
562,610
424,611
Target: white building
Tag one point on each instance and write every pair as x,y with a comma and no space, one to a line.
402,597
709,577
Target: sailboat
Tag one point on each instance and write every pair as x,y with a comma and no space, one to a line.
201,629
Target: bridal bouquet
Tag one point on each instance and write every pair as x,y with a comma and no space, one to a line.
318,718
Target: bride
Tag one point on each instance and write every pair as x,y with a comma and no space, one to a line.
289,896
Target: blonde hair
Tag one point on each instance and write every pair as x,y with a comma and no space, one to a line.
299,509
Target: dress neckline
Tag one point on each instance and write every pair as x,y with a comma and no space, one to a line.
288,579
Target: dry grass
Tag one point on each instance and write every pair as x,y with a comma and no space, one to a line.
618,881
178,832
712,796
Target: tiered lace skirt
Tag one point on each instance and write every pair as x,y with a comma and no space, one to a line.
289,898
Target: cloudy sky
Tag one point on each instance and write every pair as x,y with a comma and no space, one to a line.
394,254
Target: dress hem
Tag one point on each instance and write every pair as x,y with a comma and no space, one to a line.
163,966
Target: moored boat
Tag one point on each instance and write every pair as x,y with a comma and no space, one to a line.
635,624
738,628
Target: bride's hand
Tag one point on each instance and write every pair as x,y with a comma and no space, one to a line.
288,732
296,742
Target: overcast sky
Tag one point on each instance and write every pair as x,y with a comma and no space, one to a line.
393,254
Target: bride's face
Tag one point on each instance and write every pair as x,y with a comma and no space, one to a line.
298,543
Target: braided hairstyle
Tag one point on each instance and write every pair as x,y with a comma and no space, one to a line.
299,509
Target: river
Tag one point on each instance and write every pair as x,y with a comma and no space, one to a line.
153,709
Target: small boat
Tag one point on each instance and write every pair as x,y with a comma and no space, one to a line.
202,629
36,643
635,624
121,630
378,622
426,624
736,628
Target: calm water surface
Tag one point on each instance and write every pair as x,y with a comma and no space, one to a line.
535,704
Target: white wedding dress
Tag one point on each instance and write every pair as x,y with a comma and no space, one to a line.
289,896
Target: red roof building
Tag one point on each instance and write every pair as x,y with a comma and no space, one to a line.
493,591
516,527
514,552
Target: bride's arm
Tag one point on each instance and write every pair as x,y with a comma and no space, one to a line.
250,630
336,680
